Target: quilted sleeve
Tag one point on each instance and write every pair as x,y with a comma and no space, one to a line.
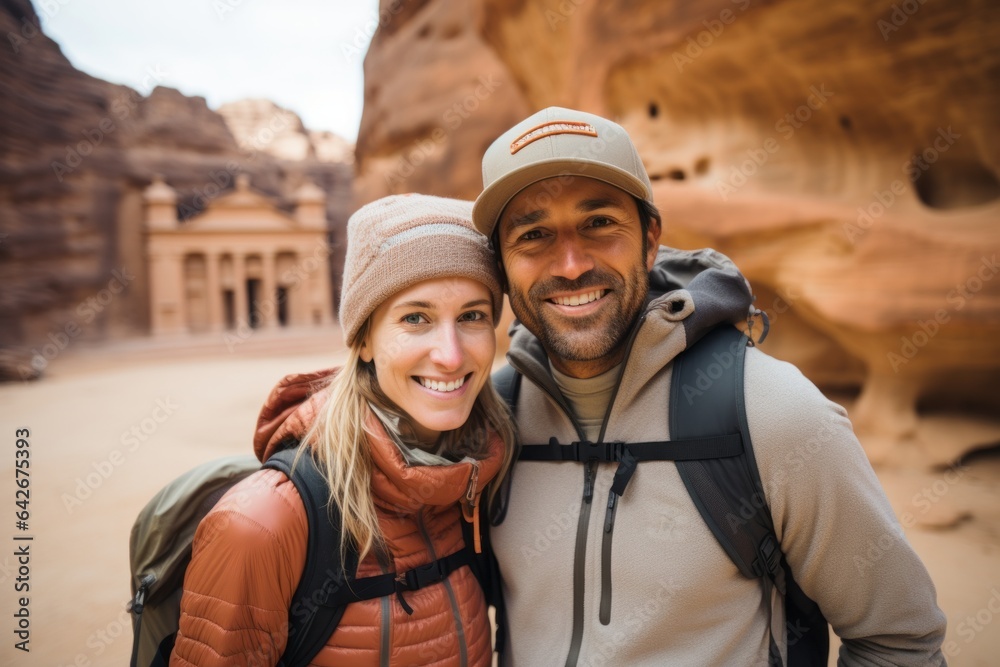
247,559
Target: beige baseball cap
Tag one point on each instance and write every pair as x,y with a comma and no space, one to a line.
557,142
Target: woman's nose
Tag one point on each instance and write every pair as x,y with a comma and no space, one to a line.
446,350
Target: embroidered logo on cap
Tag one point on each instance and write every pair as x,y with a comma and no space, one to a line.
550,128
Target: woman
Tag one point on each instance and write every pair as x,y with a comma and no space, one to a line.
408,433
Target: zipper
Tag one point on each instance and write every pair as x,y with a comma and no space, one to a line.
463,649
470,508
579,562
136,606
622,476
386,640
626,468
589,478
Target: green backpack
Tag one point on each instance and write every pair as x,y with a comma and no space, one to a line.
160,550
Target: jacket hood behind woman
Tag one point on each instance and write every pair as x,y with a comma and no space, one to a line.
239,588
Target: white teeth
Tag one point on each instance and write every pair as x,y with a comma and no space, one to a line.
443,386
578,299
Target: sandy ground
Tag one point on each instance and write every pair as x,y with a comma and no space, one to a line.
89,476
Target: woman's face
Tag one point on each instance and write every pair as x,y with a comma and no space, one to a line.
433,346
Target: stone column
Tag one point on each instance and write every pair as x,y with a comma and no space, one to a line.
240,291
298,290
169,306
269,291
321,292
213,285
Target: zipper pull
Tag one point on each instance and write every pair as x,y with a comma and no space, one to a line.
470,509
589,474
136,604
609,516
471,494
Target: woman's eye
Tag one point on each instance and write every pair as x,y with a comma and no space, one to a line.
413,318
473,316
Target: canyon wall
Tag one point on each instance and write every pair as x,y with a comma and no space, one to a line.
845,155
76,154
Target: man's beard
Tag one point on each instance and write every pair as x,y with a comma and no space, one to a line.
585,338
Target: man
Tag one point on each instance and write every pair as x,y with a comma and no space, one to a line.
596,577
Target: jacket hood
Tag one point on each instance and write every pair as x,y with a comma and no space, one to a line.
690,293
290,410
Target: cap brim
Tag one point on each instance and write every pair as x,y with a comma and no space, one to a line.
492,201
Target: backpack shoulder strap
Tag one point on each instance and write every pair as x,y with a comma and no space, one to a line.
706,399
507,382
310,622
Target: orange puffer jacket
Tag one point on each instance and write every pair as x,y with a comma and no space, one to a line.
250,550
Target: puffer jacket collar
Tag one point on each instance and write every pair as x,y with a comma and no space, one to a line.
690,293
295,402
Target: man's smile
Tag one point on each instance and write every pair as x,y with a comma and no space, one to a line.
580,299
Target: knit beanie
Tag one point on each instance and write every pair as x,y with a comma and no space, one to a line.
401,240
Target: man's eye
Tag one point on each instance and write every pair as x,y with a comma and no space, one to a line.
531,235
601,221
413,318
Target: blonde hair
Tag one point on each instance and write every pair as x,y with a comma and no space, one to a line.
339,441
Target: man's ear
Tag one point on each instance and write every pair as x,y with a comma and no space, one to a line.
652,242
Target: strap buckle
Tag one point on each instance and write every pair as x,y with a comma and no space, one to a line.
768,562
420,576
597,451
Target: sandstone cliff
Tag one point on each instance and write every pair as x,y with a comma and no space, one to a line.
75,155
844,154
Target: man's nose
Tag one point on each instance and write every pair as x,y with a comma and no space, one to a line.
572,258
446,350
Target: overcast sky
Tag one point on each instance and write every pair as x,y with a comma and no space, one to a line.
305,55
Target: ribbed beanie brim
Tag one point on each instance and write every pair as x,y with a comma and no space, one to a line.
401,240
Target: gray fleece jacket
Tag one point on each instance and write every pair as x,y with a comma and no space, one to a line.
676,597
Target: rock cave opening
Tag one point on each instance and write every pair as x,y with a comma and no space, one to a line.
945,182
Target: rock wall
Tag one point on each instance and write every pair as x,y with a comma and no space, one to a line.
76,153
845,155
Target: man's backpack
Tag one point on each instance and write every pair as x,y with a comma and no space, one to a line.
715,460
160,550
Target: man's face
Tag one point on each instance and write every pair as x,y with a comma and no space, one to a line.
577,267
